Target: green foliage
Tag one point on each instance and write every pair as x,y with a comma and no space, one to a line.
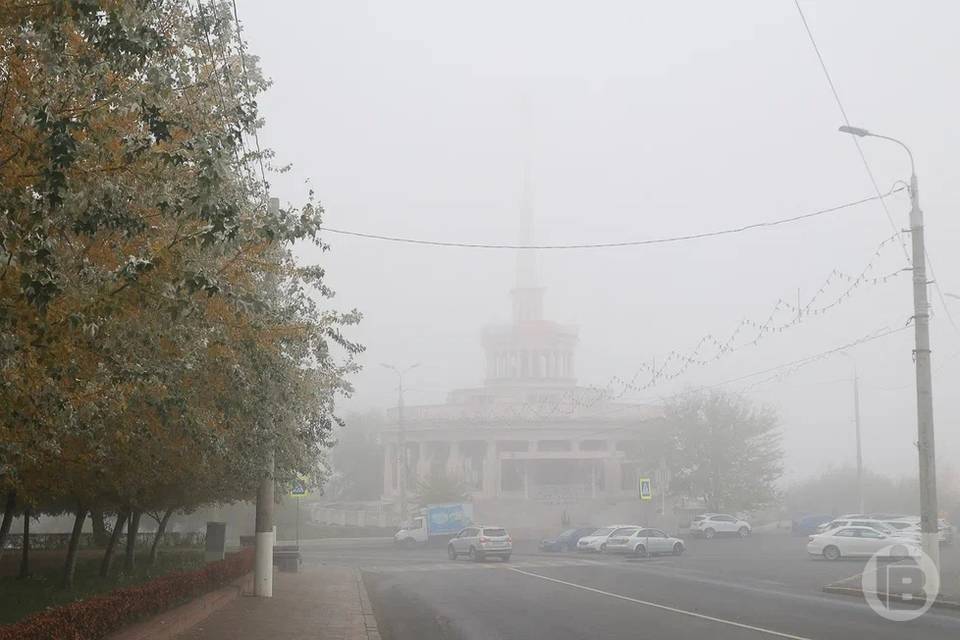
99,617
834,491
357,459
723,449
156,335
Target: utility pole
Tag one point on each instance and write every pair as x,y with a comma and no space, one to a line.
401,437
856,419
929,521
263,561
264,539
929,525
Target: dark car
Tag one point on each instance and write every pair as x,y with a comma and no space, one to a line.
566,541
807,525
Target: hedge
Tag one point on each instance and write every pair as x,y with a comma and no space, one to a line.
99,616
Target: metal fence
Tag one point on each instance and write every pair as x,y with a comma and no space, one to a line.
45,541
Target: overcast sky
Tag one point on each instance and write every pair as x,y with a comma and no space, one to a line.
641,120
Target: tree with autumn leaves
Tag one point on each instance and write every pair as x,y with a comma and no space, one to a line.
156,335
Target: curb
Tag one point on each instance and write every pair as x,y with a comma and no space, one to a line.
169,624
369,620
854,591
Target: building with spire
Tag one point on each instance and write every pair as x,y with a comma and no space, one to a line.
530,445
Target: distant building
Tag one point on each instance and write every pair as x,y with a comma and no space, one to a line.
531,446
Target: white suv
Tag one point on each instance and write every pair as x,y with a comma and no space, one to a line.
479,542
710,524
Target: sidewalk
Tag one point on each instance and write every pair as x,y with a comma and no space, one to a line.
328,603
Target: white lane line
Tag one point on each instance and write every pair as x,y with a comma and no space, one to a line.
684,612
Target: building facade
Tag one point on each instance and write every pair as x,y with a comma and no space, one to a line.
530,445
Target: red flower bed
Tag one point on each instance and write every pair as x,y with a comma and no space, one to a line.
98,616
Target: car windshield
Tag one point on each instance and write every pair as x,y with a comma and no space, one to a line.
603,532
495,533
568,533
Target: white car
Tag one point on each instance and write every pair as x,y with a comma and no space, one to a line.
845,520
597,541
852,542
619,540
479,542
911,525
651,542
882,527
709,525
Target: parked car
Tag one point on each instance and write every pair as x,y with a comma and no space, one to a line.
597,541
807,525
709,525
619,539
886,516
651,542
851,542
845,516
566,541
479,542
911,524
882,527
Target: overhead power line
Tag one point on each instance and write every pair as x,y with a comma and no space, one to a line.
246,84
780,371
611,245
846,121
866,164
798,313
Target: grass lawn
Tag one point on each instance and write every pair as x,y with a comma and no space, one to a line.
19,598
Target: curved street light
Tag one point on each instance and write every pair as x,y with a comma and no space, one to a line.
929,527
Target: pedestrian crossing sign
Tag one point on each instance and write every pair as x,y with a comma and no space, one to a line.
299,489
645,492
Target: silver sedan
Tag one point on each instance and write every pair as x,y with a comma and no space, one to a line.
651,542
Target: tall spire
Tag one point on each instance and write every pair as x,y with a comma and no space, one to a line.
526,258
527,293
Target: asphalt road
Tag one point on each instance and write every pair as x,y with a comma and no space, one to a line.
761,587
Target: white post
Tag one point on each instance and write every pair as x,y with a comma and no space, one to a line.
263,560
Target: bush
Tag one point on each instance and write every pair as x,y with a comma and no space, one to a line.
101,615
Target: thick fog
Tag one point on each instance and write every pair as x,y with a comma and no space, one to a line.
637,120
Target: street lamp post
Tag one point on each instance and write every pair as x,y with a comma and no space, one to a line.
856,419
401,441
921,356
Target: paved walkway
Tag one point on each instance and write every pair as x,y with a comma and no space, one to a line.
328,603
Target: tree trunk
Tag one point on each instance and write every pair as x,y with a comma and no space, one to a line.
161,528
133,526
25,552
101,537
112,544
71,564
8,508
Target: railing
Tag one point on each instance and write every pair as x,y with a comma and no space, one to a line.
559,493
355,517
61,540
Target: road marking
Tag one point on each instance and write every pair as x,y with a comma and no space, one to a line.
663,607
475,566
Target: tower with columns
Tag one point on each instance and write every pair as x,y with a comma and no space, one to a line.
529,439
